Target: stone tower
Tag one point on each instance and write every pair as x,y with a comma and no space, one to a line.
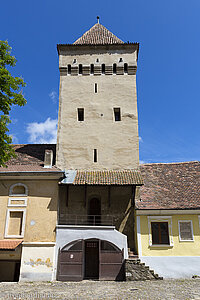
98,119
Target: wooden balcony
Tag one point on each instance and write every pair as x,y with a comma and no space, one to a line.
87,220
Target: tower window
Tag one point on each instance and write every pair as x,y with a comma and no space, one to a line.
74,61
120,60
103,68
69,69
126,68
95,155
97,60
95,88
92,69
117,114
80,114
114,68
80,69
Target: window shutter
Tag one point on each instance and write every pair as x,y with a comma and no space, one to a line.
185,231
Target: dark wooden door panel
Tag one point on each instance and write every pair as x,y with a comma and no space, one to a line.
70,265
92,259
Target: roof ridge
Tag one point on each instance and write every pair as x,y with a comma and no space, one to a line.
171,163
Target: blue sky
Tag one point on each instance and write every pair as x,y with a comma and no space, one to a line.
168,77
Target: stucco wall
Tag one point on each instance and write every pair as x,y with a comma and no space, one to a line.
37,262
41,209
179,248
116,142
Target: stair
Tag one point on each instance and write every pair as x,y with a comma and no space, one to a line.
135,270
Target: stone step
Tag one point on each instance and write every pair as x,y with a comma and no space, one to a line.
136,270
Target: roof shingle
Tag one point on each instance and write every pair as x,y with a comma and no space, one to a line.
29,157
98,35
9,244
170,186
111,177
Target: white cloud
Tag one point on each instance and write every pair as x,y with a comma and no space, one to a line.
54,97
14,139
140,139
42,133
142,162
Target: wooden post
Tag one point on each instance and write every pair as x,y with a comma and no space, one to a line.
133,195
85,196
109,188
67,195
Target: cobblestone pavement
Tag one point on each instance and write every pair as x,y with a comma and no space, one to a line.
159,289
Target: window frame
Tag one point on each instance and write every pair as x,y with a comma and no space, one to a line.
179,230
117,112
79,110
6,235
160,219
18,195
10,199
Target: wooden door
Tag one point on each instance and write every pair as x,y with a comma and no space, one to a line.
111,262
91,260
70,262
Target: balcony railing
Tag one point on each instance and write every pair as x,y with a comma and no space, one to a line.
89,220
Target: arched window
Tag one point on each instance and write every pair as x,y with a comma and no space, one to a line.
18,189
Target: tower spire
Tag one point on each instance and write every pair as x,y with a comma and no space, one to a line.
98,19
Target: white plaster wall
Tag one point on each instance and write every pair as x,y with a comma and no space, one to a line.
117,143
173,267
67,234
37,263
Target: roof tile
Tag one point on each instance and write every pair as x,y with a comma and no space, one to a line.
29,157
170,186
9,244
111,177
98,35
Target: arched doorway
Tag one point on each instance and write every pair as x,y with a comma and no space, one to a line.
90,259
94,211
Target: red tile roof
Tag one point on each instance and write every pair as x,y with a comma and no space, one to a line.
112,177
170,186
98,35
30,157
9,244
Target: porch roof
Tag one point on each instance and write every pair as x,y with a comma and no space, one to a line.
9,244
106,177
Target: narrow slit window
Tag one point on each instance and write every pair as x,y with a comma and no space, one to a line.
125,68
92,69
69,69
103,68
95,88
80,114
95,155
117,114
80,69
114,68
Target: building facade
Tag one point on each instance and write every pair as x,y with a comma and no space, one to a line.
98,147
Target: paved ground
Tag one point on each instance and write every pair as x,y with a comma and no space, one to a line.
159,289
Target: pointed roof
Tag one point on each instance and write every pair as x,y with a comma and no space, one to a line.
98,35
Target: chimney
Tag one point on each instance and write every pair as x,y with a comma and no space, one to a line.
48,158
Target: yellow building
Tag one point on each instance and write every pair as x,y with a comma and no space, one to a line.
28,215
168,219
